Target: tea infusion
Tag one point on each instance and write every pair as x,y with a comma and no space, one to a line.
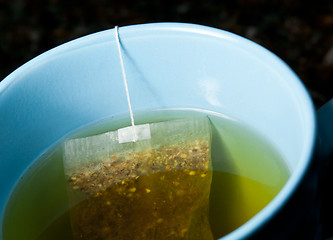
247,174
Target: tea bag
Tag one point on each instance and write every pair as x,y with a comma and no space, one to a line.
148,181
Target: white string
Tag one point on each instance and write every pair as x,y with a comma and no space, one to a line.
124,76
125,83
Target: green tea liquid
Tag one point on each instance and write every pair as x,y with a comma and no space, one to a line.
247,174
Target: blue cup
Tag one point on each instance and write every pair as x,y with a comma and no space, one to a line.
170,65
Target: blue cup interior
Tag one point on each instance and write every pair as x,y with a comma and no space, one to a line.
168,65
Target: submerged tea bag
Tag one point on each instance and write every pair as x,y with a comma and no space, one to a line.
156,188
148,181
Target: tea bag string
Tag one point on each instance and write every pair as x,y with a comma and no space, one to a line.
125,83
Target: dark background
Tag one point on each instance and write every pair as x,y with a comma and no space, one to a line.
298,31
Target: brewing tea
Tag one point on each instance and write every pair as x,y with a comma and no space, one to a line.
163,205
142,184
247,173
